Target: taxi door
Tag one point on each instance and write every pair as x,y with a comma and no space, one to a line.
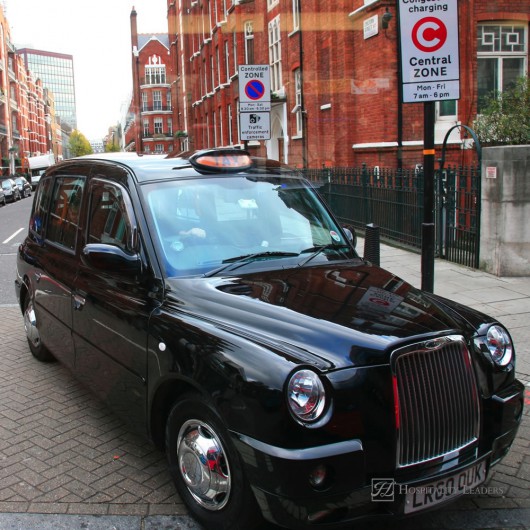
54,259
112,303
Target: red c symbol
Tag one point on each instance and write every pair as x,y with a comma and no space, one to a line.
429,34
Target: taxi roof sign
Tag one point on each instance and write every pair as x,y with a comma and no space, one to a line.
221,160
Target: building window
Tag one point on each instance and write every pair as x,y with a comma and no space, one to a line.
272,3
296,15
205,72
234,50
215,140
221,126
158,125
275,54
212,72
218,59
170,126
146,128
155,75
157,100
249,42
169,106
227,61
446,110
502,54
144,101
298,100
159,148
230,125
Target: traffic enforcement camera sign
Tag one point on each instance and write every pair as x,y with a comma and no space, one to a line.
429,50
255,125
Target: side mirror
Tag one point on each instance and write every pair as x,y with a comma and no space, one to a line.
351,235
110,258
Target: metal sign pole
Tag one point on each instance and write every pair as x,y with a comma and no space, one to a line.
430,72
427,228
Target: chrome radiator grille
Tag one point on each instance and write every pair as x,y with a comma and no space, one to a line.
437,409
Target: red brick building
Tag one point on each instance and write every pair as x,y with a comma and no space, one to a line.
151,129
335,76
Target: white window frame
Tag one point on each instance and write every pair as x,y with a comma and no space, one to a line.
275,54
500,44
230,125
298,103
227,60
157,100
249,42
296,14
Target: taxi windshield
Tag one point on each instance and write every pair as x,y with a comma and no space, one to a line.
204,223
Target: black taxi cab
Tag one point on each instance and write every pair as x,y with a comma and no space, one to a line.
215,303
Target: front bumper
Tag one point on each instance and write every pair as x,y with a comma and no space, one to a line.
280,477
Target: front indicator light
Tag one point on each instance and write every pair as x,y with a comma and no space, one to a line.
306,396
499,345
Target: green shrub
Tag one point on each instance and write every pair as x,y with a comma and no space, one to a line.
505,120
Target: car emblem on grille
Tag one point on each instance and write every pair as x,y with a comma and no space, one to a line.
434,344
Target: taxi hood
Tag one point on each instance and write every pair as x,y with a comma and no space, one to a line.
341,313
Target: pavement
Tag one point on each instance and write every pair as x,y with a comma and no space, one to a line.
67,463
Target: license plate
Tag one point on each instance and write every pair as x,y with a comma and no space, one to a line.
425,496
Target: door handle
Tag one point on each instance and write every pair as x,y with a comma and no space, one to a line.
79,302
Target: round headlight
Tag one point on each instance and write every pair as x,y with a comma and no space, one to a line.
499,345
306,395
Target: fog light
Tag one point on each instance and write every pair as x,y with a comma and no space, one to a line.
518,410
317,477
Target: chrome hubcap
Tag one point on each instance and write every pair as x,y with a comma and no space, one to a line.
203,465
30,325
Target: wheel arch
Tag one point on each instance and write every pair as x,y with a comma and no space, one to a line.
163,400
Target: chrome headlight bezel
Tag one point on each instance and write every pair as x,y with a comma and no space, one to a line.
306,396
499,345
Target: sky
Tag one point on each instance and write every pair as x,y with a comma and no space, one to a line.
98,36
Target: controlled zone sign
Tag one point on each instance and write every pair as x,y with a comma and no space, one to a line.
255,125
429,50
254,88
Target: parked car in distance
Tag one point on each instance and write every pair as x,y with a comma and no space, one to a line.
11,191
35,179
24,186
3,200
215,302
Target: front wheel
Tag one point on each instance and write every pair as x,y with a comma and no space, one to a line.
207,469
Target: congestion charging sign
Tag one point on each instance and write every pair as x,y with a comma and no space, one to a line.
429,50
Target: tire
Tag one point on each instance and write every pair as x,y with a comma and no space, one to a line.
206,468
38,350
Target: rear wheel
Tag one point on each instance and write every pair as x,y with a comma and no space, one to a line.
206,468
38,350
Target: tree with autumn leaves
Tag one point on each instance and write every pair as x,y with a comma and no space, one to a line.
79,145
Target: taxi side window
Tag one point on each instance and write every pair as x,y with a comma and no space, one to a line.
64,211
39,215
108,220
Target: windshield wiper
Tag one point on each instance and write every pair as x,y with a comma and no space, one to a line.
238,261
316,250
